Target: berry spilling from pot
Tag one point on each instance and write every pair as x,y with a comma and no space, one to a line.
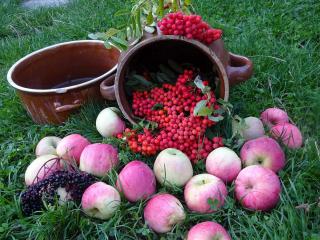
178,115
190,26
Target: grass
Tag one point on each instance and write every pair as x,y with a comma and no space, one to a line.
281,37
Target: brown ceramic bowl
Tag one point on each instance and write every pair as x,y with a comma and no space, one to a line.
156,50
55,81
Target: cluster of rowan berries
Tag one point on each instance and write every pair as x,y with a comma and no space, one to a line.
172,108
190,26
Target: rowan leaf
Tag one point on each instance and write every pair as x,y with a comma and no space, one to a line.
201,109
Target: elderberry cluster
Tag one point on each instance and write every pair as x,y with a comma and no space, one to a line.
174,114
46,190
190,26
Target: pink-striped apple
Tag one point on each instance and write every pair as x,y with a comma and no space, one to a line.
172,167
162,212
137,181
98,159
71,147
208,231
100,200
47,145
108,122
257,188
288,134
41,168
223,163
203,189
263,151
274,116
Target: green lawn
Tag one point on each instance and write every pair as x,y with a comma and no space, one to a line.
283,40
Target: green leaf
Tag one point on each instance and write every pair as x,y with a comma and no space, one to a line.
224,103
166,70
111,32
219,111
160,9
162,77
149,18
120,42
138,23
107,44
157,106
122,12
98,35
187,2
92,36
201,109
216,119
199,84
140,80
175,66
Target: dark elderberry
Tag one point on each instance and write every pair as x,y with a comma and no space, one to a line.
74,182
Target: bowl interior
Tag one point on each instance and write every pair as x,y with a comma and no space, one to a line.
159,51
64,65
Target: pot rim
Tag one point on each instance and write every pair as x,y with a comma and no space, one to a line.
63,89
195,43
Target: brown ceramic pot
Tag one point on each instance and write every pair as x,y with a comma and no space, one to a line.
156,50
55,81
238,68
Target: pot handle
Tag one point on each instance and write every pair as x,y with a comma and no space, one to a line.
68,107
239,69
107,88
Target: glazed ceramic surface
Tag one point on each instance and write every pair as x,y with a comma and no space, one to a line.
55,81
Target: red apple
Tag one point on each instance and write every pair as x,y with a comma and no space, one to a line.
162,212
137,181
288,134
263,151
71,147
109,123
257,188
172,167
41,168
100,200
202,188
223,163
208,231
47,145
98,159
274,116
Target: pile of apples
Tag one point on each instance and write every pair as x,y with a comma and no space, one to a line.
257,186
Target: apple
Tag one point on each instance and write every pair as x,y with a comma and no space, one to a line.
223,163
172,167
263,151
253,128
257,188
274,116
109,123
162,212
100,200
208,231
71,147
137,181
288,134
41,168
47,145
98,159
202,188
